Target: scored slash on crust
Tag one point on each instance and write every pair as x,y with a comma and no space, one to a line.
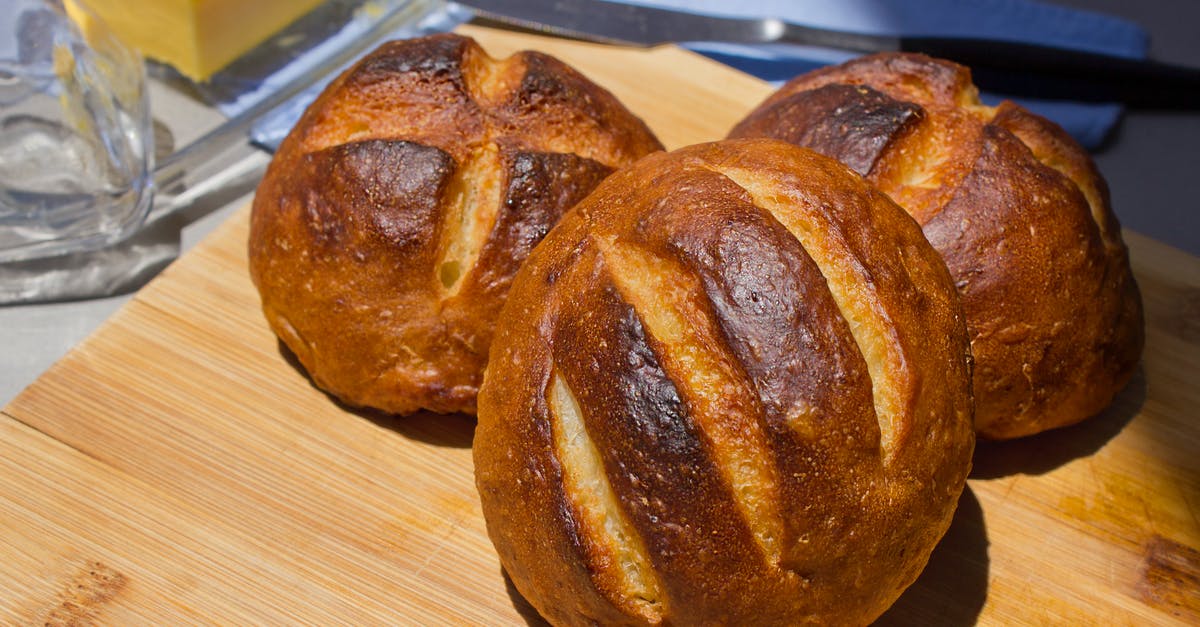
596,502
1018,211
476,193
710,381
869,324
406,198
719,397
680,425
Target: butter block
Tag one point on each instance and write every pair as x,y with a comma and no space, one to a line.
196,37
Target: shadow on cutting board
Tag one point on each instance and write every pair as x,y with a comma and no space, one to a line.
527,611
957,570
953,587
1044,452
444,430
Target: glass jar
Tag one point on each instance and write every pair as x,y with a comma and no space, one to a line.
76,143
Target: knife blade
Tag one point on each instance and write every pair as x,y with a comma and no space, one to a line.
1004,66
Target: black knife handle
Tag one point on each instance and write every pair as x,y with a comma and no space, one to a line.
1040,71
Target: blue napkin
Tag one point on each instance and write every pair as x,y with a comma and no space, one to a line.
1018,20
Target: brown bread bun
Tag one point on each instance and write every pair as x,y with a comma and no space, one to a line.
730,387
1016,208
391,221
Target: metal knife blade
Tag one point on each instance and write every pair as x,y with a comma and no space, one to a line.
636,25
1009,67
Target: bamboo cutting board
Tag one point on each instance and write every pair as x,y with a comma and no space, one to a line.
179,467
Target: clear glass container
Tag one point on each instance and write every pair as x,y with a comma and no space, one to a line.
76,145
212,138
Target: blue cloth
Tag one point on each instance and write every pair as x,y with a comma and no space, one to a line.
1018,20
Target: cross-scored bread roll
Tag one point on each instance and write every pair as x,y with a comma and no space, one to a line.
731,387
391,221
1018,211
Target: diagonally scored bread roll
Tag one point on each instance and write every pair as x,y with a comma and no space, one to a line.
731,387
391,221
1016,208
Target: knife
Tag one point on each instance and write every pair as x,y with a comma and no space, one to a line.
1004,66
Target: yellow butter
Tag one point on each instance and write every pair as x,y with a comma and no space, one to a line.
196,37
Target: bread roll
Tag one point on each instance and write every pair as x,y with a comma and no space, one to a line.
391,221
730,387
1016,208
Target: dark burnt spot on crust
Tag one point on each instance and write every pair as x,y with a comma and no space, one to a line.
558,178
390,189
626,376
768,297
1037,197
548,81
775,312
435,58
654,453
541,187
851,123
784,329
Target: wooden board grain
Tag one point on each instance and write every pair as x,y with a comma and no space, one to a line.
178,467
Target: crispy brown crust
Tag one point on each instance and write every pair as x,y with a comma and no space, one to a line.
363,203
851,123
1019,213
681,232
